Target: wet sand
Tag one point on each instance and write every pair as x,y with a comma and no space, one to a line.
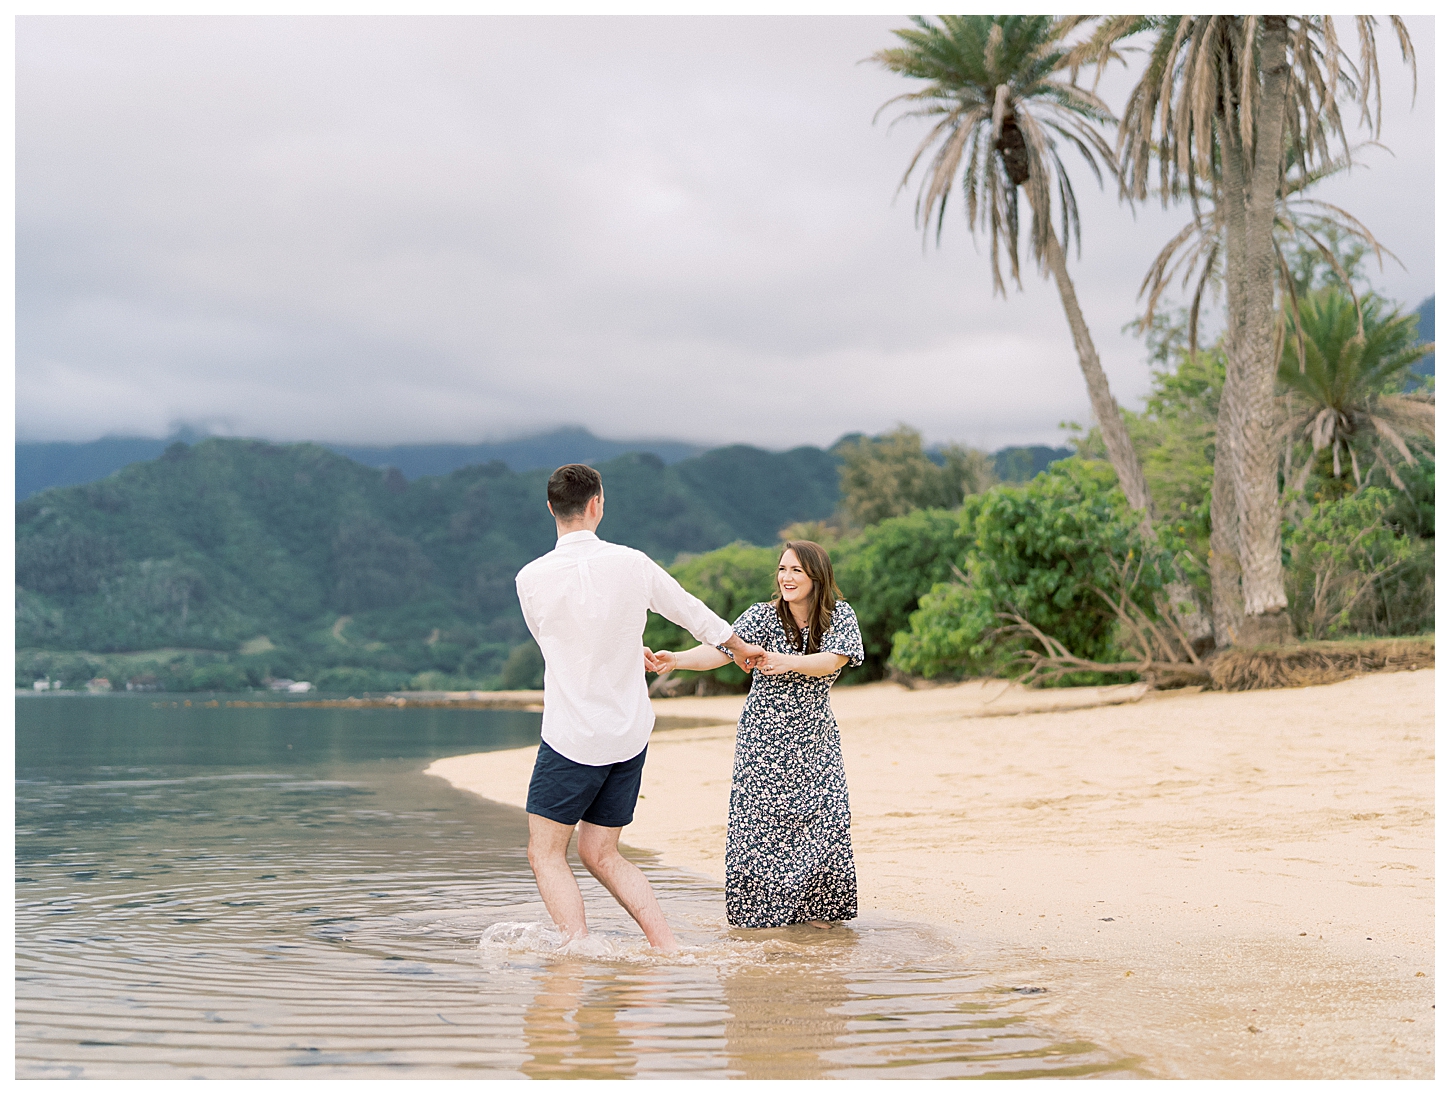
1225,885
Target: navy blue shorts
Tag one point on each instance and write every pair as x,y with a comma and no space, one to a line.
566,791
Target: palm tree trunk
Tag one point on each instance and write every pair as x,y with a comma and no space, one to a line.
1226,591
1255,464
1105,408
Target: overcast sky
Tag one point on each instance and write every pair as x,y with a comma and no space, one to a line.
397,230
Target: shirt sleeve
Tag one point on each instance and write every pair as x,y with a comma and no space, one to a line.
676,604
844,635
521,584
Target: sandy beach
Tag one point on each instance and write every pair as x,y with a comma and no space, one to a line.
1223,885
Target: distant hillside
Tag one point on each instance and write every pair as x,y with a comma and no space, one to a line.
43,464
566,445
291,559
1426,365
1019,463
40,465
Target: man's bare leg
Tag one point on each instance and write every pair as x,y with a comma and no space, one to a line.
599,849
548,856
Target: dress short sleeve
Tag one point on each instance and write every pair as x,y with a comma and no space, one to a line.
750,625
844,635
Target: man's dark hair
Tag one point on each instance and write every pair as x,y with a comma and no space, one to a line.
570,489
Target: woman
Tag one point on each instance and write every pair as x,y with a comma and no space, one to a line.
788,849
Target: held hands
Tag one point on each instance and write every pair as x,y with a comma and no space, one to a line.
773,664
747,656
660,661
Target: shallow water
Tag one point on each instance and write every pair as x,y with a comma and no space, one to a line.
214,892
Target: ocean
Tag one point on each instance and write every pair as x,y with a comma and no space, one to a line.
205,891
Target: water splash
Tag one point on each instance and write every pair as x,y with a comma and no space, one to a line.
510,935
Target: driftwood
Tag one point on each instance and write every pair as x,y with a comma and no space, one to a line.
1058,661
1163,654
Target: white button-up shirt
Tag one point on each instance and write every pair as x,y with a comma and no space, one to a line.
585,604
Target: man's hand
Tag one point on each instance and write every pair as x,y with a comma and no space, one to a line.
747,655
658,662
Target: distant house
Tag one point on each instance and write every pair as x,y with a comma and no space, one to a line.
282,684
98,684
47,684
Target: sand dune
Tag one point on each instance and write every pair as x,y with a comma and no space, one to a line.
1225,885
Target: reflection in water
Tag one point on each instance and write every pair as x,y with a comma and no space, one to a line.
572,1027
785,1010
195,899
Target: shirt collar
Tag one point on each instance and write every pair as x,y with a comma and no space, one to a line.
576,537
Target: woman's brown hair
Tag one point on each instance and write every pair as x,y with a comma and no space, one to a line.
817,565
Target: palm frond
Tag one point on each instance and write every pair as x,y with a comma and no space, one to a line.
986,78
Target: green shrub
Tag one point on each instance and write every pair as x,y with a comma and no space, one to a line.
1353,572
886,570
1041,551
353,679
1413,511
952,634
217,677
524,668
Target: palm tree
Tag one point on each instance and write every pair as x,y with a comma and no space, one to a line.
1002,93
1313,228
1227,98
1343,381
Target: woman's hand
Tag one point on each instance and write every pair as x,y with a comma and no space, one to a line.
660,661
775,663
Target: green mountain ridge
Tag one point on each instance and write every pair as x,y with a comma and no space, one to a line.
40,465
225,541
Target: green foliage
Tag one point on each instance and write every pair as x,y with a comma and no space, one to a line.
1413,511
524,668
1175,435
375,567
354,680
954,633
1041,551
1343,369
1352,572
1311,269
886,570
217,677
891,475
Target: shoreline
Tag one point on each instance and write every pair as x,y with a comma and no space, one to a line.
1225,885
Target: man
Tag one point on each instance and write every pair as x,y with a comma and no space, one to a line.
585,604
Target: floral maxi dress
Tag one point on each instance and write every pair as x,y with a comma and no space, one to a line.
788,847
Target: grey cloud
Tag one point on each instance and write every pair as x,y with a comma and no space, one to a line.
396,229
